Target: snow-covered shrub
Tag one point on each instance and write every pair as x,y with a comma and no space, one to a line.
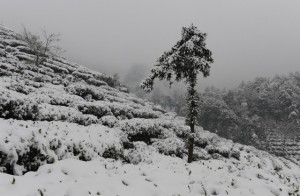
145,113
113,153
39,79
7,66
22,152
211,149
18,109
95,82
46,72
98,108
123,89
248,149
180,130
57,98
235,153
109,121
140,153
141,129
53,113
33,159
277,166
201,142
10,49
25,57
25,145
225,152
216,145
159,109
70,78
111,98
224,148
170,146
81,75
2,52
200,154
5,73
85,120
56,69
61,113
21,88
136,100
107,79
84,90
121,110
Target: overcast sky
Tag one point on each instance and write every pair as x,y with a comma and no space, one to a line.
248,38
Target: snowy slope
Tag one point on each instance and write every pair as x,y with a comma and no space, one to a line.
66,130
165,176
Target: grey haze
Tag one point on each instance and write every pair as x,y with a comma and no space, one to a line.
248,38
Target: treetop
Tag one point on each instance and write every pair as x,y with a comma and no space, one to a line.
187,58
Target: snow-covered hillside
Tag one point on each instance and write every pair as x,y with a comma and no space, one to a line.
65,130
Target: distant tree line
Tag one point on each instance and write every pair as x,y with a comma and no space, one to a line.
246,114
250,112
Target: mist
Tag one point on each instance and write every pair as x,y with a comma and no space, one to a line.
66,129
247,38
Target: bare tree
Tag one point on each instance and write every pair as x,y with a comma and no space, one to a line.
43,46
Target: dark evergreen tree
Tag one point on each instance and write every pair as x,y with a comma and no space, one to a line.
184,62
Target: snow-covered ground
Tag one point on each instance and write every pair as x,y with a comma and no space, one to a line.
63,145
65,131
164,176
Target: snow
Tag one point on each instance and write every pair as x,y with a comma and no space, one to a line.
64,131
150,173
57,140
165,176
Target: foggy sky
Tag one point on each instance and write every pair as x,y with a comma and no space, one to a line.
248,38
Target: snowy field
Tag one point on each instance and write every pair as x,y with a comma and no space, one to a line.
164,176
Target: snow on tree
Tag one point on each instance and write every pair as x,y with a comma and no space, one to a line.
184,61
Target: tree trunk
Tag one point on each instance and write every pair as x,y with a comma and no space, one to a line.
37,60
192,93
191,144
